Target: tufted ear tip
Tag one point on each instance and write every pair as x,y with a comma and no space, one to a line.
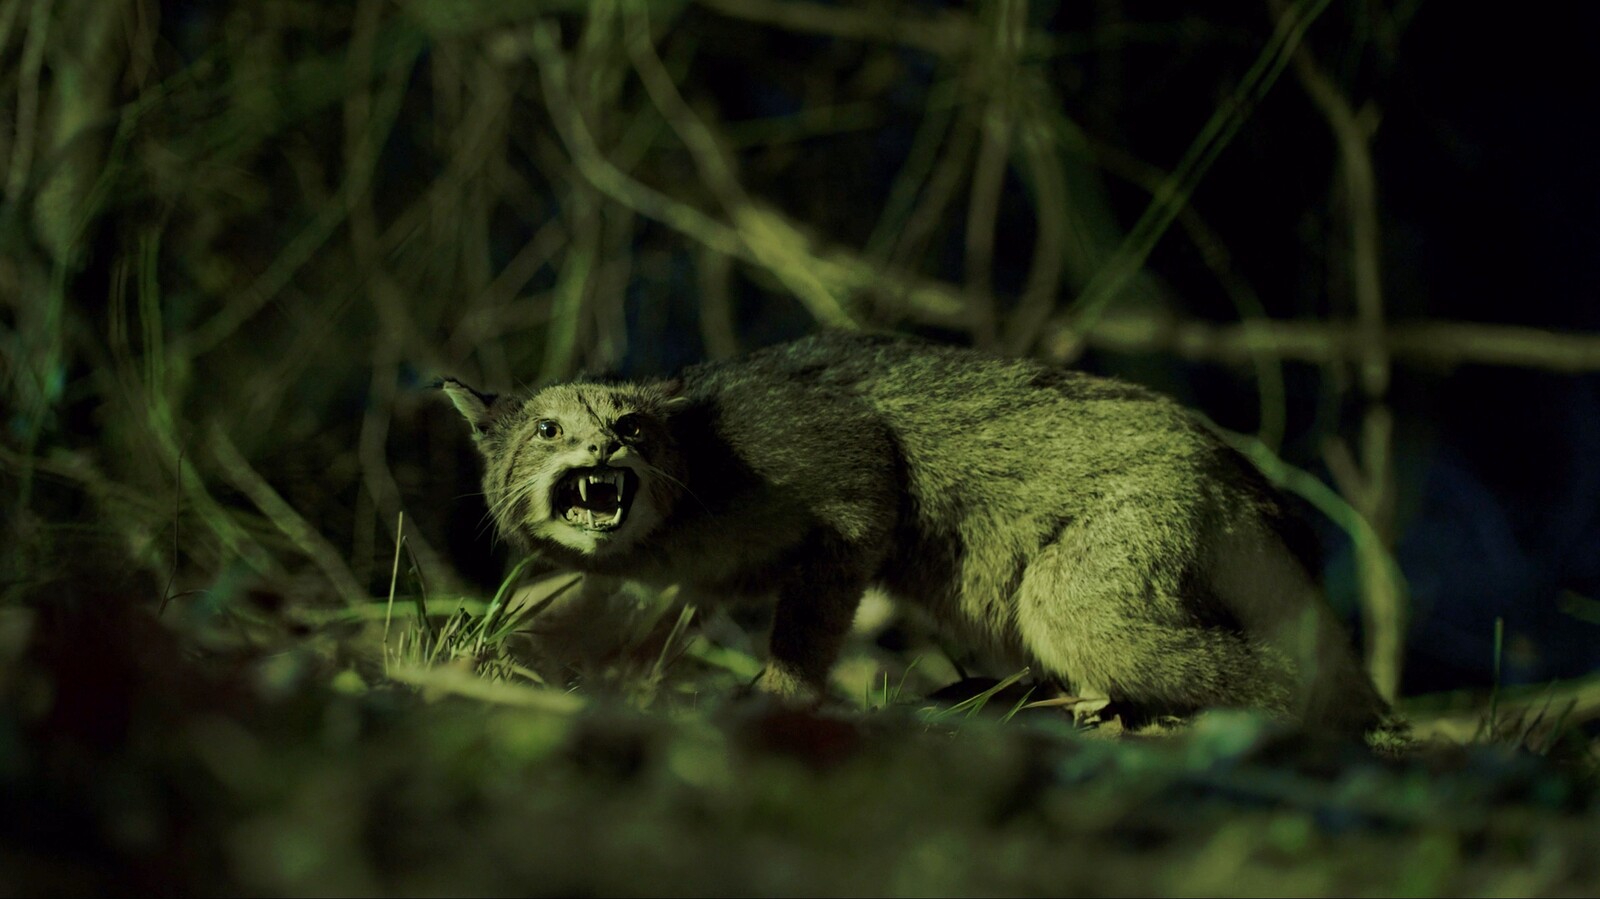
479,409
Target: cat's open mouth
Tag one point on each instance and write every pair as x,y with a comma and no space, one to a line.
596,499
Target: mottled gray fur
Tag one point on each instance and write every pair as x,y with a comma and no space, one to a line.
1089,528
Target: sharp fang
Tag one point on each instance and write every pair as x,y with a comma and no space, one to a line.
583,489
589,513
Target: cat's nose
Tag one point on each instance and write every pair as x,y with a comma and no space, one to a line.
603,449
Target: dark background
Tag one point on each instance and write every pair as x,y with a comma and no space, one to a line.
281,220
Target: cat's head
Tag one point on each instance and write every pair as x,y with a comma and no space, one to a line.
589,466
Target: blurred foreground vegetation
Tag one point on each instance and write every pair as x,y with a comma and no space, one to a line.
256,638
140,759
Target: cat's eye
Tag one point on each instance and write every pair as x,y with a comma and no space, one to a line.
548,429
626,427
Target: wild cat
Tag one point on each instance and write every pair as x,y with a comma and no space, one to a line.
1089,528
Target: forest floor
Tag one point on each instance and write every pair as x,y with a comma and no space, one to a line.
405,750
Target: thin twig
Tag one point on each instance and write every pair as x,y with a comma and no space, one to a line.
394,578
1273,402
1429,344
937,119
177,511
1383,605
775,244
24,139
283,516
1107,285
997,125
1042,160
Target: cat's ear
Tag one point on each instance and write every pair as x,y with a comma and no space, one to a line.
667,396
479,409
